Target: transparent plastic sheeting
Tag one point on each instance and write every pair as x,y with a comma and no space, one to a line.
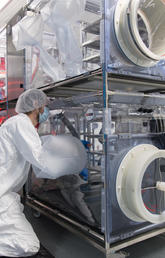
135,37
28,32
59,18
132,130
135,144
77,195
83,99
9,9
64,155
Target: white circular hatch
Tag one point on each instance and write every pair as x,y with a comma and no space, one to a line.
139,28
140,186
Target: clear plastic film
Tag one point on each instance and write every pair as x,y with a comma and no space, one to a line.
64,155
80,100
133,131
80,194
60,47
135,37
29,32
61,17
127,126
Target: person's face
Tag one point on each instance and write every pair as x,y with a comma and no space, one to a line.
41,110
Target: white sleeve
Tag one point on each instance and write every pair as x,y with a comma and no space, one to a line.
58,156
28,143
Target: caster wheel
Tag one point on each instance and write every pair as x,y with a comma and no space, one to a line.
36,214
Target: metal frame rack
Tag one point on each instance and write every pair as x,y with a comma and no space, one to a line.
94,43
93,83
93,29
102,85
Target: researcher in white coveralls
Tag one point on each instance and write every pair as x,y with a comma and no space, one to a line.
21,146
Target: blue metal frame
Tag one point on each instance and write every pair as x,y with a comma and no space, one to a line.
106,213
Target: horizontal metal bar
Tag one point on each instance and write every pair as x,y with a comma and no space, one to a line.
59,214
92,136
135,80
96,152
149,188
94,169
68,227
57,95
134,94
131,136
136,98
78,89
137,239
93,28
92,59
65,221
96,119
94,43
72,80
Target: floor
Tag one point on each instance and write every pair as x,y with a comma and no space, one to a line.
63,244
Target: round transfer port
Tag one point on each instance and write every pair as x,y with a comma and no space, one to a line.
153,197
140,184
139,28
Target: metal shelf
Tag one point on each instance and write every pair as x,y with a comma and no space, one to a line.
94,44
92,82
95,59
93,28
96,169
93,6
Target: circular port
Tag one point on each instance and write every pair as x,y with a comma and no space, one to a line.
139,175
139,28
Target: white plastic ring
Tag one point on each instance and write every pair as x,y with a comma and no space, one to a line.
129,182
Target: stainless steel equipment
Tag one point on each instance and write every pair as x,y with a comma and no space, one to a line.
118,112
130,120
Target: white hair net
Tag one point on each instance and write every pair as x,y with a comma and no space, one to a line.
30,100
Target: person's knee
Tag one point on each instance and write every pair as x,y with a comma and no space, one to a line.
27,247
35,247
20,248
32,247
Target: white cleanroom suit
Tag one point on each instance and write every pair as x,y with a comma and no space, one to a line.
20,146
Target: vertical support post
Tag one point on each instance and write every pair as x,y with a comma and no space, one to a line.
84,39
106,197
107,202
107,214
